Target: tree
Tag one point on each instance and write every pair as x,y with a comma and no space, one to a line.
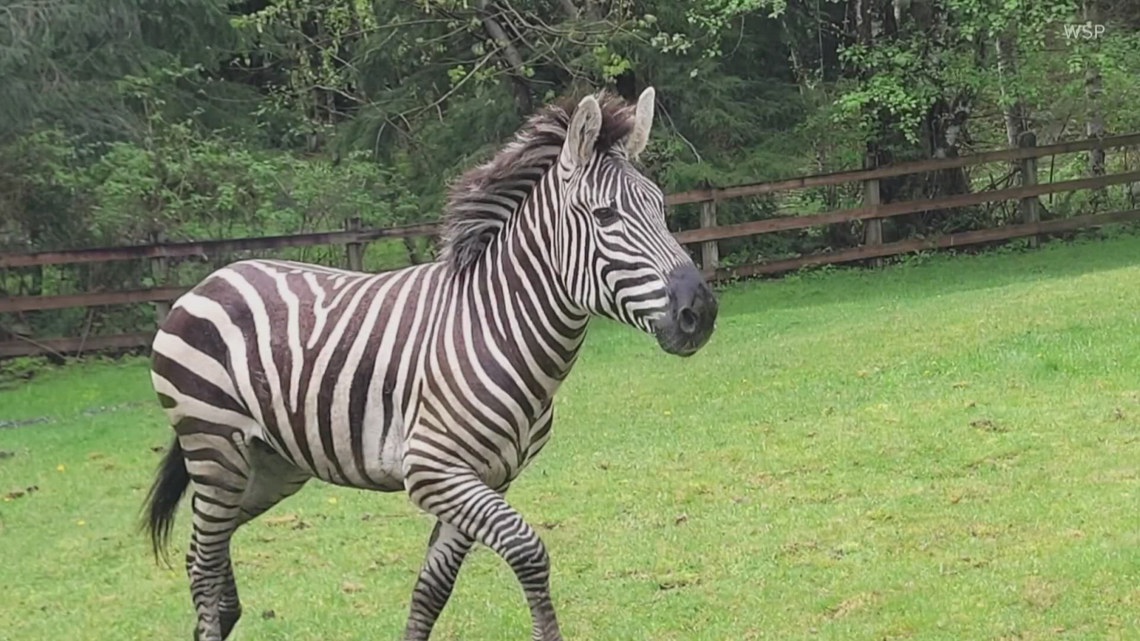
56,72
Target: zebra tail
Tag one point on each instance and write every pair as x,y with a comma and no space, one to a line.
162,500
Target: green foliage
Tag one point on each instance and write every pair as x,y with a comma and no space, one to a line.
176,184
182,185
16,371
712,21
61,60
218,118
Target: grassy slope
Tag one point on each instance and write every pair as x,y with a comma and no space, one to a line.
943,451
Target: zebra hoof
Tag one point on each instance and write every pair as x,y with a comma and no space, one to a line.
228,620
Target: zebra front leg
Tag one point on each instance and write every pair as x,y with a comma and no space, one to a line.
447,547
474,509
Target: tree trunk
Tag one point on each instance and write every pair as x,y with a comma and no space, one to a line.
511,54
570,10
1094,124
1094,89
864,14
413,251
1014,111
944,131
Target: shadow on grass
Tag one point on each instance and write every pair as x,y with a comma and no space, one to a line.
932,276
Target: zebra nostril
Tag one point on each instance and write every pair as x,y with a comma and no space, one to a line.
687,320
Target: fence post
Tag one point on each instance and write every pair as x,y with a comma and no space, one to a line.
160,274
1030,212
354,251
710,250
873,229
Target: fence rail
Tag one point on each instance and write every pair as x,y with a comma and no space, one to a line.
206,247
707,236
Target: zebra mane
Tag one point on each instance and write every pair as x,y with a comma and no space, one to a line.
483,200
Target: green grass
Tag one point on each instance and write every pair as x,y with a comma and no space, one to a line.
945,450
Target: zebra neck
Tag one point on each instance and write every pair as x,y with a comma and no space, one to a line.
527,316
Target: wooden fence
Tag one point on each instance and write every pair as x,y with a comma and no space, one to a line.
872,211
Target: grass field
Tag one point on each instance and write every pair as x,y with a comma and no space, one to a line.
945,450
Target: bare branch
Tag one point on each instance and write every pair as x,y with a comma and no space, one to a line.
510,52
495,30
569,8
462,81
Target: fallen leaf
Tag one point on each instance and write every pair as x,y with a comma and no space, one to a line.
15,494
673,583
852,604
986,425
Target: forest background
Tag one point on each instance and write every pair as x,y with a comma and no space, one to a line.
135,121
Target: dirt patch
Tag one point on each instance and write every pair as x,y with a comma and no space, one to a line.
852,604
1040,594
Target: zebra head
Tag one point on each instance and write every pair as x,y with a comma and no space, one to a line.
614,250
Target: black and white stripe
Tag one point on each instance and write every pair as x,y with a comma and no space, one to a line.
437,379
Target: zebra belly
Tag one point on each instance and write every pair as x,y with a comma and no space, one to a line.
373,462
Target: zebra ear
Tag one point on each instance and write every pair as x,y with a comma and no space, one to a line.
642,123
582,134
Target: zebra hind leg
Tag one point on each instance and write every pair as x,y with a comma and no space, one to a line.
447,547
481,513
218,462
233,483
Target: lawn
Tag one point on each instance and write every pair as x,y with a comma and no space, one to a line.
948,449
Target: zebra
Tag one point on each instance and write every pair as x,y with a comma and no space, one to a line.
436,379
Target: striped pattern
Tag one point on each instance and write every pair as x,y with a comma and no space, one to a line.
436,380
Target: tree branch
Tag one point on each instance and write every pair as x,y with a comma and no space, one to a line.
511,53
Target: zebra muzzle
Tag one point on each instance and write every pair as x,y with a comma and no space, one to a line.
690,318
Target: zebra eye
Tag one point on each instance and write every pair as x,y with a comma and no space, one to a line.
606,215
